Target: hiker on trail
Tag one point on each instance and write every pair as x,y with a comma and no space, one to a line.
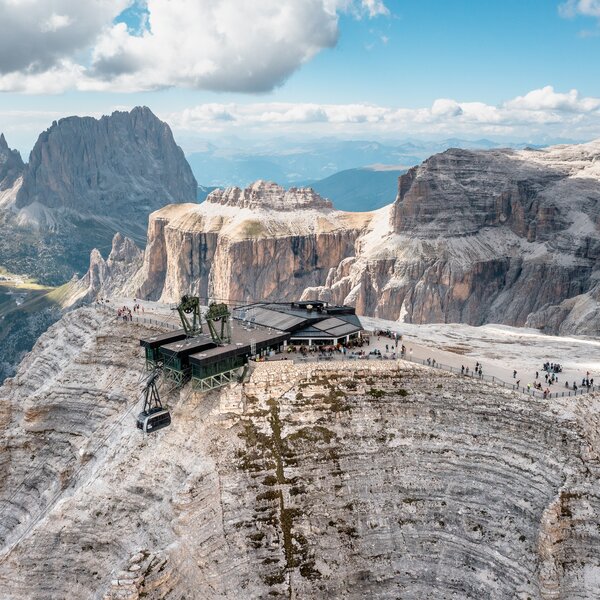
514,374
518,382
566,384
462,369
537,374
528,387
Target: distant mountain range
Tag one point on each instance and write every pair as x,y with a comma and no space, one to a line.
359,190
355,175
289,163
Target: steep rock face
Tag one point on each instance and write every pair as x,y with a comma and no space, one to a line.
261,242
11,165
497,236
86,180
105,277
379,480
117,166
11,172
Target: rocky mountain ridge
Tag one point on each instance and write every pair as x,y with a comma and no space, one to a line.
269,195
473,236
86,180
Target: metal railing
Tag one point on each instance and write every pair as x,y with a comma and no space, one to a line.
136,318
529,391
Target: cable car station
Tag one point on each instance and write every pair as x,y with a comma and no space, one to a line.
222,355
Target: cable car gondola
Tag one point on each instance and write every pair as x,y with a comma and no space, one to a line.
154,419
154,416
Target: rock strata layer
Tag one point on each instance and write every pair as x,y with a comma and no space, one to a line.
381,480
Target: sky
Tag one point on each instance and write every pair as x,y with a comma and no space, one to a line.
388,70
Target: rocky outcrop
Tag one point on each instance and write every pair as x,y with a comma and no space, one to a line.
107,277
86,180
269,195
11,165
11,172
475,237
496,236
375,480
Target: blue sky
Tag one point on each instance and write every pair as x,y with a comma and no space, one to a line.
507,69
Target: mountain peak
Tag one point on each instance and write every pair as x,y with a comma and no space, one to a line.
131,163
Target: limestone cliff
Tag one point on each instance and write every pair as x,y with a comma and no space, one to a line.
477,237
375,480
473,236
262,242
105,277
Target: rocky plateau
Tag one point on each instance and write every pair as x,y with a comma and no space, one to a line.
375,480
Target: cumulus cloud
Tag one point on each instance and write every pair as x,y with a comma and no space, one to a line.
37,35
547,99
230,45
542,111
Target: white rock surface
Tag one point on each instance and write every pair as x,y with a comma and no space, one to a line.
372,480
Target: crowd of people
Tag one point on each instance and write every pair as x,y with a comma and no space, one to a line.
124,313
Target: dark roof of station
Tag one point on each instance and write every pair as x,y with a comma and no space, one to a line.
241,344
188,346
303,319
163,338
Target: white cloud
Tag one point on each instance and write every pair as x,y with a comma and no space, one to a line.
230,45
446,107
587,8
539,112
375,8
547,99
56,22
37,35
